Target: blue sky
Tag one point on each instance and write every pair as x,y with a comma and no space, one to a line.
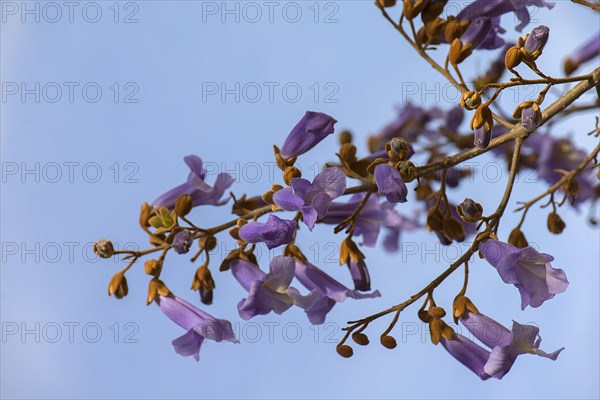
124,98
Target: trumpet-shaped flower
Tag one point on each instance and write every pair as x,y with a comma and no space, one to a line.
531,272
273,233
328,290
267,291
307,133
312,199
199,325
195,186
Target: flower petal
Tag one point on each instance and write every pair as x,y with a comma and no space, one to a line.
245,273
188,344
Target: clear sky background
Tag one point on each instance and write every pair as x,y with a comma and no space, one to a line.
98,156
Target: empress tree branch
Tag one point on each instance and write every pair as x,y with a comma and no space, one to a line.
427,289
593,6
445,73
566,178
514,167
559,105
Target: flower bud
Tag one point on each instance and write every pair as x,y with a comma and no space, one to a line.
292,250
433,30
470,100
435,219
555,224
388,342
412,8
145,214
182,242
461,48
310,130
360,338
407,170
118,285
469,210
104,248
517,238
344,350
204,283
350,251
345,137
208,242
530,114
152,267
183,205
291,173
453,229
513,57
535,42
461,305
482,124
437,312
432,10
454,28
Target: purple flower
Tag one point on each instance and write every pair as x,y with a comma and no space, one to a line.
390,183
195,186
312,199
360,275
537,39
493,9
470,354
560,153
182,242
266,291
482,136
371,219
530,271
409,124
307,133
199,325
506,344
328,290
476,32
530,118
453,119
583,54
273,233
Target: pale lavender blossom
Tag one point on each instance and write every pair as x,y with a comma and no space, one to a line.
273,233
182,242
390,184
537,39
476,32
328,290
308,132
493,9
530,119
198,324
373,217
267,291
531,272
312,199
468,353
506,344
195,186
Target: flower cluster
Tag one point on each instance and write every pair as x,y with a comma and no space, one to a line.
404,183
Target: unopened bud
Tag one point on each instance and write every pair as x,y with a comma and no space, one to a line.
555,224
104,248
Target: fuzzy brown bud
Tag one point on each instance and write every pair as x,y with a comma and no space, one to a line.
555,223
104,248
